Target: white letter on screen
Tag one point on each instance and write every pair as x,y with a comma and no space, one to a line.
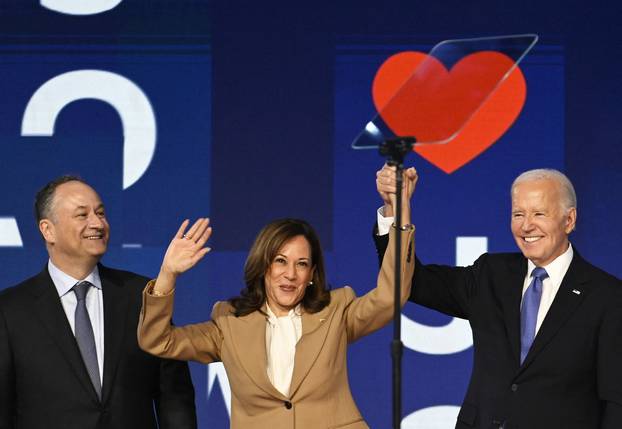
132,105
441,416
80,7
9,233
456,336
216,371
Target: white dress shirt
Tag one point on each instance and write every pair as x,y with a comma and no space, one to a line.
550,285
94,305
282,335
384,223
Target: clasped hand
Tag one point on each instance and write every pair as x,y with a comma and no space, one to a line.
386,187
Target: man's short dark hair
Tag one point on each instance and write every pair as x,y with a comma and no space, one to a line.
45,196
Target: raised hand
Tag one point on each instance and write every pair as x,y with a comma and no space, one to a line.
185,250
187,247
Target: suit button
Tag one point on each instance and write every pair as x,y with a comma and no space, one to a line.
514,387
288,405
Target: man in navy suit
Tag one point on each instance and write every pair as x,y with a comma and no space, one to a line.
72,361
547,325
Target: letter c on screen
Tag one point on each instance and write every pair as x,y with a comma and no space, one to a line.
132,105
80,7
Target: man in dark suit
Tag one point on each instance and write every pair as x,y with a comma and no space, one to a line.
547,325
69,357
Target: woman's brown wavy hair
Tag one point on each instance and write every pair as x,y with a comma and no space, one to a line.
265,248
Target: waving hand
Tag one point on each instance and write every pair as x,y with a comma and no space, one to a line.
186,249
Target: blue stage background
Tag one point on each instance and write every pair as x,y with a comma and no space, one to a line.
255,107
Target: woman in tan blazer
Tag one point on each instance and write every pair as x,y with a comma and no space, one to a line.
283,341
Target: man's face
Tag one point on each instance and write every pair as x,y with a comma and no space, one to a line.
540,224
77,230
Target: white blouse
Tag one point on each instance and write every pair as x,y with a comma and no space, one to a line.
282,335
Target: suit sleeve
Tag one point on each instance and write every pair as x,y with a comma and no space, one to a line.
374,310
174,404
199,342
440,287
609,367
7,378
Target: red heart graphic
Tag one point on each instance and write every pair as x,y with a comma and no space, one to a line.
422,105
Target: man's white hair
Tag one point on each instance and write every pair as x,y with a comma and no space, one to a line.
568,196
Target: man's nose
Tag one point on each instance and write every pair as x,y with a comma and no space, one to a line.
527,223
95,221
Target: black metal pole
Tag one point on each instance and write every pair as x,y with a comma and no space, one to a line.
395,151
396,344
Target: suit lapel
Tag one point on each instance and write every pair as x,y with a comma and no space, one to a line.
511,303
248,336
571,292
115,327
310,345
49,310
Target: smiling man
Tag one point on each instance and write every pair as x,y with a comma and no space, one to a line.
547,325
68,351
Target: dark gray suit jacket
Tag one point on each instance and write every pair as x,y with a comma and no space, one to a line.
43,380
572,376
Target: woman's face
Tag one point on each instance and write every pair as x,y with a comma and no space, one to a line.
289,275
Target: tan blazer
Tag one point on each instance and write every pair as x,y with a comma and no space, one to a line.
320,396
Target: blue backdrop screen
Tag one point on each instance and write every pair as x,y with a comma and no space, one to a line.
246,114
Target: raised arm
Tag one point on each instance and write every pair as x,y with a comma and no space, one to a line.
156,335
443,288
375,309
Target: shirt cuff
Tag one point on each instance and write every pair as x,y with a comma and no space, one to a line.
384,223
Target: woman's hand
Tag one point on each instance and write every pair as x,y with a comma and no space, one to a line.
186,249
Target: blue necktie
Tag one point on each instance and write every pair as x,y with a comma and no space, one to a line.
529,311
85,337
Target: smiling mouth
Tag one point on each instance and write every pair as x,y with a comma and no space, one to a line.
531,239
94,237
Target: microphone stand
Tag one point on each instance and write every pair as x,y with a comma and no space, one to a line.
395,150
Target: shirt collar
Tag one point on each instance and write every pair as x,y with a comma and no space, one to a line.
557,268
64,282
293,313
